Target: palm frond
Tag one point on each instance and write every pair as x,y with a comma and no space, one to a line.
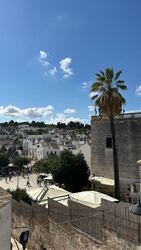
100,79
109,75
122,99
96,86
107,97
118,75
120,81
98,75
94,97
102,73
122,87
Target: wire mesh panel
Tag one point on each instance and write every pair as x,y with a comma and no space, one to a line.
58,211
119,219
86,218
26,210
97,222
30,211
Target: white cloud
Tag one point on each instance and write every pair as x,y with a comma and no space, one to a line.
53,71
90,116
69,111
91,94
50,69
138,90
45,63
60,117
46,114
26,113
43,54
84,85
43,57
91,108
65,67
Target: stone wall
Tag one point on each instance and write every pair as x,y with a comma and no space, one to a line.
128,141
5,225
35,219
74,227
5,220
75,239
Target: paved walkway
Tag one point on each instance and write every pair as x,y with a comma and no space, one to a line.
20,182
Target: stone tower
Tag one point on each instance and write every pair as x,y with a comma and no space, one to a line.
128,141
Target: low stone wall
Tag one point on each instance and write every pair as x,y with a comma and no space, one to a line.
5,220
74,239
34,218
77,227
66,237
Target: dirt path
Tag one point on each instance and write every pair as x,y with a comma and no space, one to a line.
16,245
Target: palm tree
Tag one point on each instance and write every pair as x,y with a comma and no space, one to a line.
109,101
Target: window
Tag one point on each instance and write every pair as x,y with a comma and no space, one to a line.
108,142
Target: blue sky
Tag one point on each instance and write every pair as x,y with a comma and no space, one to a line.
50,51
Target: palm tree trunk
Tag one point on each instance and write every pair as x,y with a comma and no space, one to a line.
115,159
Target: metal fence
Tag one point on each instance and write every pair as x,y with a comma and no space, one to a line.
35,211
111,216
58,212
120,220
115,217
86,218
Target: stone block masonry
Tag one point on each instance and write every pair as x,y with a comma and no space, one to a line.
128,141
5,220
77,226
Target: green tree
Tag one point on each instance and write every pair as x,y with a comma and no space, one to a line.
12,152
4,161
87,126
41,166
109,102
3,150
21,194
33,124
11,123
61,125
20,161
71,170
75,125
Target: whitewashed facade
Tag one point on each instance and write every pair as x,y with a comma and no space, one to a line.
39,148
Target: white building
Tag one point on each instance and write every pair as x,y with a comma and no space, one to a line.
39,148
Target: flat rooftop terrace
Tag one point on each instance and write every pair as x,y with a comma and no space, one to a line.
91,198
